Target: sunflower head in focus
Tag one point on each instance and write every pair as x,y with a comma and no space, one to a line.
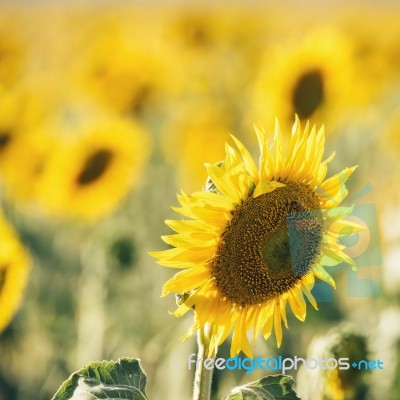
258,240
87,175
14,271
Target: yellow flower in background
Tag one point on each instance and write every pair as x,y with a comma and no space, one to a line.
202,29
14,271
217,50
24,146
196,132
313,78
12,49
378,54
259,240
194,30
94,168
9,120
22,165
118,70
341,343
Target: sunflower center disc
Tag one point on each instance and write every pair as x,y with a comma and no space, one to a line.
270,244
5,138
2,278
95,166
308,93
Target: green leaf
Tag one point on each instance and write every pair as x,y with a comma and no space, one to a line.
122,379
274,387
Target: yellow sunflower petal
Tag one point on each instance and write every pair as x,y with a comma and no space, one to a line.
221,180
240,342
263,143
188,226
333,191
247,159
14,272
278,325
186,257
320,273
266,187
278,155
255,322
323,169
188,240
181,310
337,254
223,323
186,280
310,297
282,309
268,319
297,303
344,228
209,199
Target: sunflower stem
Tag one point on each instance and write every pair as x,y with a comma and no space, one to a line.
203,376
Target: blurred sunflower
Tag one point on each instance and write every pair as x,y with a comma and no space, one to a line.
24,146
12,49
314,78
193,29
22,165
89,175
207,42
377,47
14,271
119,72
258,241
9,119
196,126
335,383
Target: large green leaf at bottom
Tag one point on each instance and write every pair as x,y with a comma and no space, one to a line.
274,387
122,379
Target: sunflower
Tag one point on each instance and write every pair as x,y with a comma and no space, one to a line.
313,78
258,240
88,175
14,270
117,70
12,49
24,146
9,113
341,342
29,151
208,41
196,125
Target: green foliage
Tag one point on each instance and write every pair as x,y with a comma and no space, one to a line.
123,379
274,387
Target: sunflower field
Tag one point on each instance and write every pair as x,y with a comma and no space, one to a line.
249,148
